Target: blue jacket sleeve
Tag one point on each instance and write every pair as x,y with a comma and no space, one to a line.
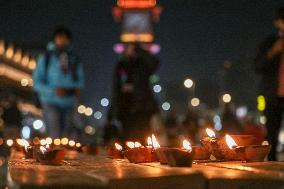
39,84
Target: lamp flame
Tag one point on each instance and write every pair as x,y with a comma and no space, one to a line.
186,145
23,142
137,144
155,143
210,133
42,149
118,146
149,141
130,144
230,142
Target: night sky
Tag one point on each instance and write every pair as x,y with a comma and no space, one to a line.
196,36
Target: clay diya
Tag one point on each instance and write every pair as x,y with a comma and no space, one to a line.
200,153
257,153
137,153
47,156
179,157
160,154
115,151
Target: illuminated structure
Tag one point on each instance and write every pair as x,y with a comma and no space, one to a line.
137,17
15,68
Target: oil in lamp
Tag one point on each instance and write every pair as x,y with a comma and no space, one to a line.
116,151
47,156
180,157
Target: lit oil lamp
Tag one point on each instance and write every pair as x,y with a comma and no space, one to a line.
211,136
180,157
137,153
116,151
209,141
232,152
228,148
28,150
159,151
47,156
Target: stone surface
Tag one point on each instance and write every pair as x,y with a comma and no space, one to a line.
80,171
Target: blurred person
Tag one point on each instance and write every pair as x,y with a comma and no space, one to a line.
270,65
133,102
173,130
112,130
252,128
229,120
190,126
58,80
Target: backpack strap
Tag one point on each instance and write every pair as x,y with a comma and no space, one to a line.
46,65
74,60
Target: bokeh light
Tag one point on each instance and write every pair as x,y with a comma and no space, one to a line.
98,115
81,109
157,88
104,102
227,98
88,111
9,142
195,102
166,106
64,141
188,83
37,124
26,132
90,130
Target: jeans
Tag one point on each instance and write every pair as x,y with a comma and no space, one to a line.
57,119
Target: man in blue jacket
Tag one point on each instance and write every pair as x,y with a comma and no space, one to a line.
58,80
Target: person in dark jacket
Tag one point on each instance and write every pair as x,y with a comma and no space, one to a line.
133,102
270,65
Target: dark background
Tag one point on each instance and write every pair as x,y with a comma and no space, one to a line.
196,36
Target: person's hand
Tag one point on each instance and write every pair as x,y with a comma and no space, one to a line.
77,92
60,92
277,48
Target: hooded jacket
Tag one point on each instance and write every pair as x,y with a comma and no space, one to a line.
46,79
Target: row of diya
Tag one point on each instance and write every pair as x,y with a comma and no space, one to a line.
46,152
227,148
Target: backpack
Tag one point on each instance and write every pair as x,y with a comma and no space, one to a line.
47,55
